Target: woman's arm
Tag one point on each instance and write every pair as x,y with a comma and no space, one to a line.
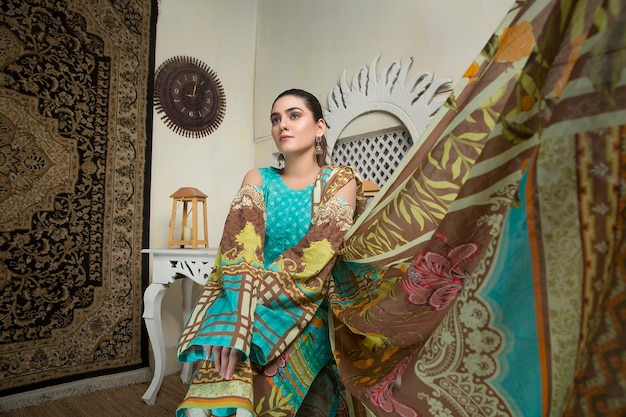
348,193
226,358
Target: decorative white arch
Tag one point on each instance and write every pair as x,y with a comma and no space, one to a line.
413,101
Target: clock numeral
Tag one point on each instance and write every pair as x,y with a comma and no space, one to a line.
191,114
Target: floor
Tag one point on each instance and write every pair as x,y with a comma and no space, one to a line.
114,402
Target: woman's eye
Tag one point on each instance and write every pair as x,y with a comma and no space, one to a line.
274,120
295,115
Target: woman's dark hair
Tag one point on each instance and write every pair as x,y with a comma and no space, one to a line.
313,104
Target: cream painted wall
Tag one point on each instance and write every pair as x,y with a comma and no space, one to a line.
305,44
260,48
222,34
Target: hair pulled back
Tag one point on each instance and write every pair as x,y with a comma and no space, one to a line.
313,104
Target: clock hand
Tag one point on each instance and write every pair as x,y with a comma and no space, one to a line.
193,94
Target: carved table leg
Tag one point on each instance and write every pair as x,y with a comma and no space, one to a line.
152,317
185,374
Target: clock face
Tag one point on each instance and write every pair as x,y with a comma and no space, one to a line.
190,96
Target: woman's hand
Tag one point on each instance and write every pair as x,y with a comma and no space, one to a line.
225,359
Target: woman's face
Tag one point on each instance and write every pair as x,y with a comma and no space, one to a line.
293,127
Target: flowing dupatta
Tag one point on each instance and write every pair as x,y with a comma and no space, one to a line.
262,310
488,277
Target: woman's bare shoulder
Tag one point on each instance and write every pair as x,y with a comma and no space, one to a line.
253,177
348,192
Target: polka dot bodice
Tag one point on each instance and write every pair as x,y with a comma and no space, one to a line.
288,213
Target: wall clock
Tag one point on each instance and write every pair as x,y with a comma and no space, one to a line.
189,96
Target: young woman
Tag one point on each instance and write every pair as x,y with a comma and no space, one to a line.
260,328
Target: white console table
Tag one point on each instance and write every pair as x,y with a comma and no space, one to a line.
167,266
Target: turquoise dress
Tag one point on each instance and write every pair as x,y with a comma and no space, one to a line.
288,214
288,220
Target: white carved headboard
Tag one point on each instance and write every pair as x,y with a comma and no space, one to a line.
414,101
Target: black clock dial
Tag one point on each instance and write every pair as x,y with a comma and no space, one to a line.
190,97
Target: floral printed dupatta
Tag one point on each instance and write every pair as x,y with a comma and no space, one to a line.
267,312
488,276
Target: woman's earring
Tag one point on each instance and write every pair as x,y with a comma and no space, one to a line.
281,160
318,147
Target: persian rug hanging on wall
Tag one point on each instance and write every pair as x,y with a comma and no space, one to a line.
74,79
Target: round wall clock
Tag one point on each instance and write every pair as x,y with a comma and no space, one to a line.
190,96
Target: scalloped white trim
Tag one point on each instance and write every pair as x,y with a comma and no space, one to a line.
413,100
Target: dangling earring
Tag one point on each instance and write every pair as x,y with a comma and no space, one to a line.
281,160
318,147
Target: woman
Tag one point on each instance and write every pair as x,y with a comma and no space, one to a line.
260,327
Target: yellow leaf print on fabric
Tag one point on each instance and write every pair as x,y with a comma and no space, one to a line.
516,43
278,406
314,257
250,241
516,133
374,341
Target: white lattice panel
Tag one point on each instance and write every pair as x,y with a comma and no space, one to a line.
375,157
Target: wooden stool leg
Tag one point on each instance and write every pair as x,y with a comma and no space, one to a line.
184,224
194,224
204,222
172,224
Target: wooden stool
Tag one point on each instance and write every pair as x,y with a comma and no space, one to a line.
188,235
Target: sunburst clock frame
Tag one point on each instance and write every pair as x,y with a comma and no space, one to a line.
189,96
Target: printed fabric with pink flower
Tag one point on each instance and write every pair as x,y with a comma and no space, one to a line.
381,394
436,279
274,368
